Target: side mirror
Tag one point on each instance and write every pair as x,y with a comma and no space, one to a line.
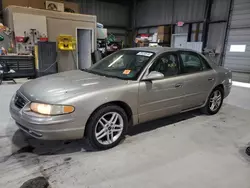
154,75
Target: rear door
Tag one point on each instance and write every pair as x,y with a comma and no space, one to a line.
199,79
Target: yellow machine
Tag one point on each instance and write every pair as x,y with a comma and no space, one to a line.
66,42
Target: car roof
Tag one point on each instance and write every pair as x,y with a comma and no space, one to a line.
157,50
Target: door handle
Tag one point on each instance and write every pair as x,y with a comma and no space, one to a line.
178,85
210,79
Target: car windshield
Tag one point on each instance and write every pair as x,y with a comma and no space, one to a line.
125,64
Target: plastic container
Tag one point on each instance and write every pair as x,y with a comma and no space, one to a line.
99,25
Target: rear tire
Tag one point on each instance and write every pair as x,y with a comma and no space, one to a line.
106,127
214,102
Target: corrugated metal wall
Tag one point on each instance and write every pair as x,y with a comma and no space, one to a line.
239,34
109,14
220,10
163,12
189,10
114,16
152,13
216,35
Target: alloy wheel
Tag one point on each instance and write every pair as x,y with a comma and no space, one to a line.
215,100
109,128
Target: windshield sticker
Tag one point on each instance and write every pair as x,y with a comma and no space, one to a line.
147,54
126,71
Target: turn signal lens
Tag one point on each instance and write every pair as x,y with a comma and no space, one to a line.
48,109
68,109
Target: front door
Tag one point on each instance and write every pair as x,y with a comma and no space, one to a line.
199,79
159,98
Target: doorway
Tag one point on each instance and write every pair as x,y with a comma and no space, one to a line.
85,47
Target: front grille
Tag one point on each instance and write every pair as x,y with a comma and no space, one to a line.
19,101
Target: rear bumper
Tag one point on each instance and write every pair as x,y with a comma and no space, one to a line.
62,127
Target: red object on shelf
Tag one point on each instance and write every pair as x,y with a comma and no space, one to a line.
45,39
144,35
19,39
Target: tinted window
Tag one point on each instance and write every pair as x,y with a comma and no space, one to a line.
205,64
167,64
191,63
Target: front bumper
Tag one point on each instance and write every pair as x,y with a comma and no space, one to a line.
63,127
227,90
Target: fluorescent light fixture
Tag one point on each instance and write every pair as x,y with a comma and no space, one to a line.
237,48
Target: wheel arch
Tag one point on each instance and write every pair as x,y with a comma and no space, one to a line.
220,86
121,104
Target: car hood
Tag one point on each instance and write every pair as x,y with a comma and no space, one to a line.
57,87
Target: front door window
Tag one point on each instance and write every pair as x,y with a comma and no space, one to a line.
167,65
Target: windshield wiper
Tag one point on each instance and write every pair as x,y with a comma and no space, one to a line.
100,74
89,71
84,69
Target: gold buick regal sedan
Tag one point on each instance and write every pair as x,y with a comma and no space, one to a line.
131,86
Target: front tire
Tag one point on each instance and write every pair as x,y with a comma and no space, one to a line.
106,127
214,102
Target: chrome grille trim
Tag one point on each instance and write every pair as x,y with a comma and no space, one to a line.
20,101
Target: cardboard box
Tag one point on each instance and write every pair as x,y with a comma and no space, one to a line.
56,6
40,4
164,29
164,38
72,6
142,44
23,3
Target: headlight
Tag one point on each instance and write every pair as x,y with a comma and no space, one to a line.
48,109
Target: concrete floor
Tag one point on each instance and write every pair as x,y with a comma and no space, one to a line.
190,150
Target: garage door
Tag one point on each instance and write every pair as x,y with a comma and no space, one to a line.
238,41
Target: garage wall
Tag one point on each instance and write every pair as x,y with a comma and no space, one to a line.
216,36
109,14
57,23
163,12
220,10
67,60
239,34
150,13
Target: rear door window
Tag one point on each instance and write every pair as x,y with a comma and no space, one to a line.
192,63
